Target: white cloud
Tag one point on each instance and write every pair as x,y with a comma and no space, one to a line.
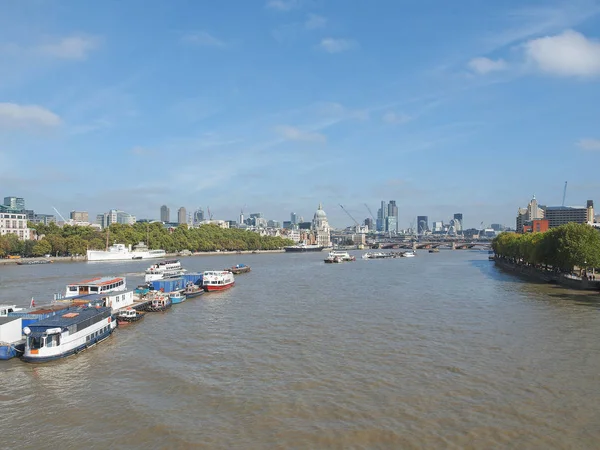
393,118
332,45
295,134
15,115
74,47
203,38
486,65
589,144
315,21
566,54
283,5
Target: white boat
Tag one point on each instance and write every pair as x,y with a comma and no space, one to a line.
409,254
339,256
121,252
164,269
5,309
217,280
67,333
99,285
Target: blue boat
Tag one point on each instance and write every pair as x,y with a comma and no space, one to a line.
11,337
193,290
168,284
177,297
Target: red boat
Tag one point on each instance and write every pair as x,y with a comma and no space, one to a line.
217,280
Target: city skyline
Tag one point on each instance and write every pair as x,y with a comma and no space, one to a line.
440,108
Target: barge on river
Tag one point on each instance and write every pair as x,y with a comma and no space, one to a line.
74,330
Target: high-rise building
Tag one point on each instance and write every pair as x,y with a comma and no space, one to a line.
165,214
293,218
532,212
381,216
458,219
198,215
15,203
392,212
422,224
181,215
79,216
115,216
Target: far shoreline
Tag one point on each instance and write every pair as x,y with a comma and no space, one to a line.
79,259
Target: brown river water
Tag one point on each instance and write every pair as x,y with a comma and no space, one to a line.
439,351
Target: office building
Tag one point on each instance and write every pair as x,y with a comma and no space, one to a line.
181,215
199,216
293,218
15,223
165,214
115,216
555,215
15,203
422,224
458,222
560,215
79,216
392,222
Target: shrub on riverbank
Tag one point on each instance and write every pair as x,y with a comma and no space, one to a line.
564,248
73,240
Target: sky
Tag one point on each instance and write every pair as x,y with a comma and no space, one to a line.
275,106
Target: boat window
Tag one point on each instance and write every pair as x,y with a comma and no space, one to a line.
94,289
73,288
35,342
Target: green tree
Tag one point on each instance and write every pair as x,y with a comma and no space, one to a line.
42,247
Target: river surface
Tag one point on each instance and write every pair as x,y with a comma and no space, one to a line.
439,351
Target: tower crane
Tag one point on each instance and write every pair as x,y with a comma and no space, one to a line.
350,215
370,212
564,194
65,220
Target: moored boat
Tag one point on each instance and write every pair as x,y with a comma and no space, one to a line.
98,285
193,290
177,297
121,252
217,280
129,315
159,302
164,269
409,254
68,333
239,268
34,262
304,248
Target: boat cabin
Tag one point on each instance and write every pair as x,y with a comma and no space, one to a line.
5,309
115,300
100,285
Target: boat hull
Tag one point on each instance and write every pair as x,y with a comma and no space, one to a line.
177,300
195,294
11,350
302,249
97,255
221,287
71,352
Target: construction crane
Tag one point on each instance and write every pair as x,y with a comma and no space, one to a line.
350,215
61,216
564,194
370,212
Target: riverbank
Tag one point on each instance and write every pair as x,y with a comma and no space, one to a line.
540,275
68,259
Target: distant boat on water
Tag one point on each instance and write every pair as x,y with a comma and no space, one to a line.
121,252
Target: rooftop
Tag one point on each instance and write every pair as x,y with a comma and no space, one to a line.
99,281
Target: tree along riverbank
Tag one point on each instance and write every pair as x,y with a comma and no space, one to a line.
76,240
69,259
542,274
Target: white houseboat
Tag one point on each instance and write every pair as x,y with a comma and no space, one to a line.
217,280
121,252
99,285
68,333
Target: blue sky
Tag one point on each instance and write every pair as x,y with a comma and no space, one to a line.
276,105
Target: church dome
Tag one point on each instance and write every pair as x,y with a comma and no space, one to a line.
320,213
